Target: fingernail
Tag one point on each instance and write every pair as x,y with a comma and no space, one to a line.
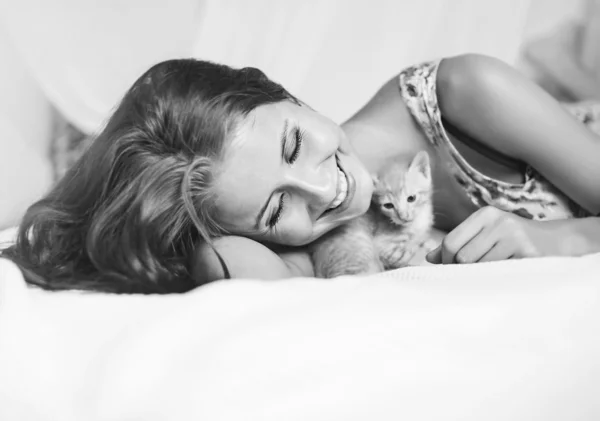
431,257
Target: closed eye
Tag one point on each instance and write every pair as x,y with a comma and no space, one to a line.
276,216
298,137
295,144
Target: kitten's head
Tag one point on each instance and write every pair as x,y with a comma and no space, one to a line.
403,192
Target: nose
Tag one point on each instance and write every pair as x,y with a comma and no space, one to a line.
315,184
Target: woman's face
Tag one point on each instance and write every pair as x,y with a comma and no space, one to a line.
289,176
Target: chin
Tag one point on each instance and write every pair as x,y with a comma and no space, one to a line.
362,179
364,193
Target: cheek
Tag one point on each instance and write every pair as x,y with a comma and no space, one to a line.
364,187
295,237
296,230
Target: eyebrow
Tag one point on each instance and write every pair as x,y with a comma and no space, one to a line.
264,207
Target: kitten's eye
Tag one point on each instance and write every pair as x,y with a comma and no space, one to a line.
388,205
411,198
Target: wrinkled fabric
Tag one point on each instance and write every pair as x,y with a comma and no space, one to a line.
511,340
333,54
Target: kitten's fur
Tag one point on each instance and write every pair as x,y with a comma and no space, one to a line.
390,233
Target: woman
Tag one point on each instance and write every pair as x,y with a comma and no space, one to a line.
204,170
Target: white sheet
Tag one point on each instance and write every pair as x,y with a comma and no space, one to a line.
511,340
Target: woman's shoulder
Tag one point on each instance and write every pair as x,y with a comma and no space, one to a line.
424,82
403,97
248,259
428,89
419,82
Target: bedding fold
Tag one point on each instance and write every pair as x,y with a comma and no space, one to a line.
506,340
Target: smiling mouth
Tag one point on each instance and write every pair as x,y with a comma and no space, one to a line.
342,189
345,190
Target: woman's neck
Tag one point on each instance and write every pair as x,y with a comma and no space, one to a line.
376,143
384,128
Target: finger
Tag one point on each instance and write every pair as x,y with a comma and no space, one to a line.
458,239
502,250
435,255
477,247
466,231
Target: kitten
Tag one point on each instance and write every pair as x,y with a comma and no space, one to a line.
347,250
402,211
396,226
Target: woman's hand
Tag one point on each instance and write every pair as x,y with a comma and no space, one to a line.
492,234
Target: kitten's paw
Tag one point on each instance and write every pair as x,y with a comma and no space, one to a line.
429,245
418,258
399,261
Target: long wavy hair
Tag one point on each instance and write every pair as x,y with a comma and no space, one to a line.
127,217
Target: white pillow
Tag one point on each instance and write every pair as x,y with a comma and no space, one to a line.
7,236
25,174
25,126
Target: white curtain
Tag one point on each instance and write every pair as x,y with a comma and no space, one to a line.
333,54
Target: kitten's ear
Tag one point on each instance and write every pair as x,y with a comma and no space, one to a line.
420,163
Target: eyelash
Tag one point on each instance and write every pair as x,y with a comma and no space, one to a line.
299,134
277,215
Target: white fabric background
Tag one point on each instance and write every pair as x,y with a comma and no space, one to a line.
333,54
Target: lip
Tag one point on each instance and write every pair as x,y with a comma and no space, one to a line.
349,196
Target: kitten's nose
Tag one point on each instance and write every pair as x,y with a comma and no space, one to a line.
403,217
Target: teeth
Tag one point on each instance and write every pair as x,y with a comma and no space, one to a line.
342,189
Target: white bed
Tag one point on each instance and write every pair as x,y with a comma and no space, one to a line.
515,340
501,341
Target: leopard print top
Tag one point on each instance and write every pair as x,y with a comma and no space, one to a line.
536,198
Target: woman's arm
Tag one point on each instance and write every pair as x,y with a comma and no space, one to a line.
246,258
493,103
492,234
496,105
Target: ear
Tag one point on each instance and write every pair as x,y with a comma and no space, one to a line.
420,163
